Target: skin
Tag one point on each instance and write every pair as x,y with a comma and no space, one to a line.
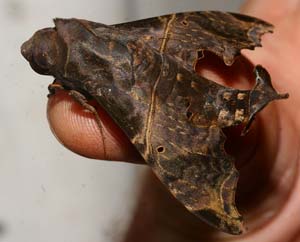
268,157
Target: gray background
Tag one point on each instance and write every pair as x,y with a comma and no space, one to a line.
48,193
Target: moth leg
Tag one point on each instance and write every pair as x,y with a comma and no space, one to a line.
53,87
81,99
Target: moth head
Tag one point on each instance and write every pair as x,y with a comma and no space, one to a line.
42,50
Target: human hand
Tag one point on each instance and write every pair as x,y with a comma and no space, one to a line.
270,184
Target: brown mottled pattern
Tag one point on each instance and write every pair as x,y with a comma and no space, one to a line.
142,73
224,34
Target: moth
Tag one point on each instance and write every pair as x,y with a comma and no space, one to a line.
143,74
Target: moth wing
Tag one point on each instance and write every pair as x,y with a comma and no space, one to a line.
203,179
187,35
213,204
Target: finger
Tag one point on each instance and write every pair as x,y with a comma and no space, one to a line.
77,130
270,10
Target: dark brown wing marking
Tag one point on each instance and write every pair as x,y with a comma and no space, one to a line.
224,34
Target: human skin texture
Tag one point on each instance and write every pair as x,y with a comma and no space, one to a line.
270,197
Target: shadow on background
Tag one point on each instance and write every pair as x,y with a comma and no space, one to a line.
3,229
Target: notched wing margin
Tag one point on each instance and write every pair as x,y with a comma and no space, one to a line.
224,34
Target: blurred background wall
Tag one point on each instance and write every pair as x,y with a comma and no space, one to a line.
48,193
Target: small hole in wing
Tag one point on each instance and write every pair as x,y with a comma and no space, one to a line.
160,149
189,114
185,23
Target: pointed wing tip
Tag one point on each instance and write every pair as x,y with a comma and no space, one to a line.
227,224
256,29
236,227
